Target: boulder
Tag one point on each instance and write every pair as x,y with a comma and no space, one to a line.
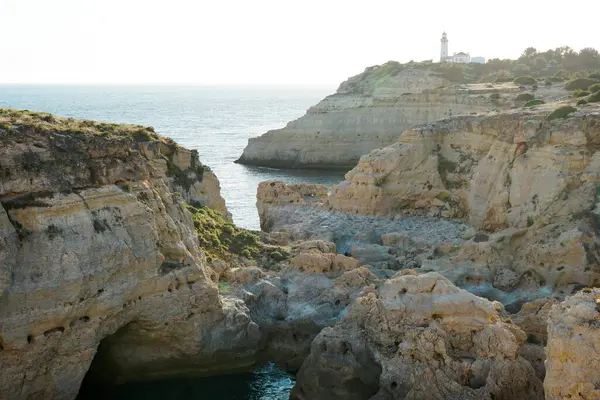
418,337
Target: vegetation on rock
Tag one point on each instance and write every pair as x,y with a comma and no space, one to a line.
580,83
11,119
561,112
524,97
525,80
580,93
581,102
594,88
220,239
554,65
594,98
534,102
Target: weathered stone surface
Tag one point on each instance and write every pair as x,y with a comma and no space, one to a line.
370,111
97,249
418,337
572,356
532,213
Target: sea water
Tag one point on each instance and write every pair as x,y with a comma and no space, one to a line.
215,120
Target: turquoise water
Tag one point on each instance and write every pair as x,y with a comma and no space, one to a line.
215,120
267,383
218,122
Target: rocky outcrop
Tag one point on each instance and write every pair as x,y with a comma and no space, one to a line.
99,260
370,111
525,184
572,353
418,337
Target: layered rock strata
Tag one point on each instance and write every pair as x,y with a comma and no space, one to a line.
370,111
525,184
96,247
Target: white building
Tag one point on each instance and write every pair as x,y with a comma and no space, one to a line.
461,58
456,57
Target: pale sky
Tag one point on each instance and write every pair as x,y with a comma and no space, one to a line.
309,42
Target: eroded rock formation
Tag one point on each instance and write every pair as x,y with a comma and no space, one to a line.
370,111
572,356
419,337
96,245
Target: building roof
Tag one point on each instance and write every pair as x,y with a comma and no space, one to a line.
461,54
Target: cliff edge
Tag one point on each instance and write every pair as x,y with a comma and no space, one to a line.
97,250
370,111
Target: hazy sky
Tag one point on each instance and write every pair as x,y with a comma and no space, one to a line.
267,41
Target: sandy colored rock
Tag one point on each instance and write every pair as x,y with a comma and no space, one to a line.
572,358
418,337
97,247
370,111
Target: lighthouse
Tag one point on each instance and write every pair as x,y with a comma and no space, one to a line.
444,53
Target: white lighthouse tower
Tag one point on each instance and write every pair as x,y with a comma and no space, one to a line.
444,53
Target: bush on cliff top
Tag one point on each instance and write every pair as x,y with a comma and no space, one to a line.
594,88
524,97
594,98
525,80
580,83
11,119
580,93
561,112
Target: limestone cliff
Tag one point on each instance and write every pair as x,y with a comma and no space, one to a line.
96,244
370,111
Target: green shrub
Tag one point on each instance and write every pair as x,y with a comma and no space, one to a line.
595,75
525,80
277,256
580,83
594,98
594,88
219,238
548,82
581,102
525,97
224,287
580,93
561,112
533,102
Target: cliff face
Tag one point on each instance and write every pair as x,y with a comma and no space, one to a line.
504,205
370,111
96,248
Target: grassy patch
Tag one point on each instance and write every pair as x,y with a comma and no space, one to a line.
11,119
219,238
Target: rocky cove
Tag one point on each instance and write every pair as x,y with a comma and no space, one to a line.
458,262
